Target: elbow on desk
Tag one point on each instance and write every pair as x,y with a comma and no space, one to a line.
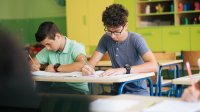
154,67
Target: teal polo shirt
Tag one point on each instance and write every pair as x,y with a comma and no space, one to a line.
68,56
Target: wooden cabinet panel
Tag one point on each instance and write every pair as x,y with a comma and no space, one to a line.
77,24
195,38
176,39
152,37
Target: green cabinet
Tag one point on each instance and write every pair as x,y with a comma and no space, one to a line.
195,38
152,37
176,38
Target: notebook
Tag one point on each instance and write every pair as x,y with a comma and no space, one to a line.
174,106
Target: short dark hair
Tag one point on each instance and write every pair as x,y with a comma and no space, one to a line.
46,29
115,15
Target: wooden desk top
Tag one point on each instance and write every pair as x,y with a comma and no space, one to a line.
110,79
168,62
145,101
186,80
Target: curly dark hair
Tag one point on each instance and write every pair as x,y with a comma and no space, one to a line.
115,15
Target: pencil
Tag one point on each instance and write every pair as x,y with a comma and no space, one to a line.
31,58
189,73
85,63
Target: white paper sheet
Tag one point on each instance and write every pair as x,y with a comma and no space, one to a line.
174,106
72,74
107,105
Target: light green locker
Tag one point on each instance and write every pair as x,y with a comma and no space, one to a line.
195,38
176,38
152,37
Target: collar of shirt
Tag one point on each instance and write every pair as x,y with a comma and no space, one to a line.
67,46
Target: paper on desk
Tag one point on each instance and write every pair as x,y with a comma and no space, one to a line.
71,74
47,74
174,106
107,105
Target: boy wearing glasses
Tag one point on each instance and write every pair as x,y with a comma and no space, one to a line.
128,51
62,55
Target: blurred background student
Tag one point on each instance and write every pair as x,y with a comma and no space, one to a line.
17,93
192,94
16,84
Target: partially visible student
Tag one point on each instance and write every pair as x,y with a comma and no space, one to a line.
62,55
16,84
128,51
192,94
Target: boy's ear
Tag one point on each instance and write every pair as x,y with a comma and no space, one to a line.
57,36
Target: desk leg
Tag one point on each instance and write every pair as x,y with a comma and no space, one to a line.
150,85
91,88
159,81
178,90
178,71
124,83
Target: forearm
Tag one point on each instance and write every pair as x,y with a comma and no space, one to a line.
95,58
76,66
146,67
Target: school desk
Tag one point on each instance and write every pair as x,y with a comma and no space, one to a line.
144,101
123,79
167,63
184,81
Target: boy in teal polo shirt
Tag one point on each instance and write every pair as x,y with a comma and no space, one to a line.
62,55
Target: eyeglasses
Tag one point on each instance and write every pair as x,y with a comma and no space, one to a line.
115,33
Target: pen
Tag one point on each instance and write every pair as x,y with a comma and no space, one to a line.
189,73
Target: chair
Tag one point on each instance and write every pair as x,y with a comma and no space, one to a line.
159,82
192,57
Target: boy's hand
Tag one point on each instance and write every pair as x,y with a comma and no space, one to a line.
88,70
191,94
35,67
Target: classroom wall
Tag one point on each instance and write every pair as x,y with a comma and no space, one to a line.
24,16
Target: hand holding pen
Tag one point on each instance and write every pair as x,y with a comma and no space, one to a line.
34,65
87,68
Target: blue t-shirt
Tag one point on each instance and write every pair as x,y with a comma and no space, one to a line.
130,51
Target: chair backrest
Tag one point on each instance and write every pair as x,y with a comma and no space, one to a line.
105,57
192,57
165,55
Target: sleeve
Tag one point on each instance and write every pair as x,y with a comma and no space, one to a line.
141,45
101,47
77,50
42,56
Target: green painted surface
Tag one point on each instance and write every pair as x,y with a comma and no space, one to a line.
176,38
152,37
131,6
26,28
24,16
195,38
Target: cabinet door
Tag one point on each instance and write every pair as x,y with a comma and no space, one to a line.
96,27
77,24
176,39
195,38
152,37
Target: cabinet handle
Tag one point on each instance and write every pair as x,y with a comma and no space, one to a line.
84,20
175,33
147,34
